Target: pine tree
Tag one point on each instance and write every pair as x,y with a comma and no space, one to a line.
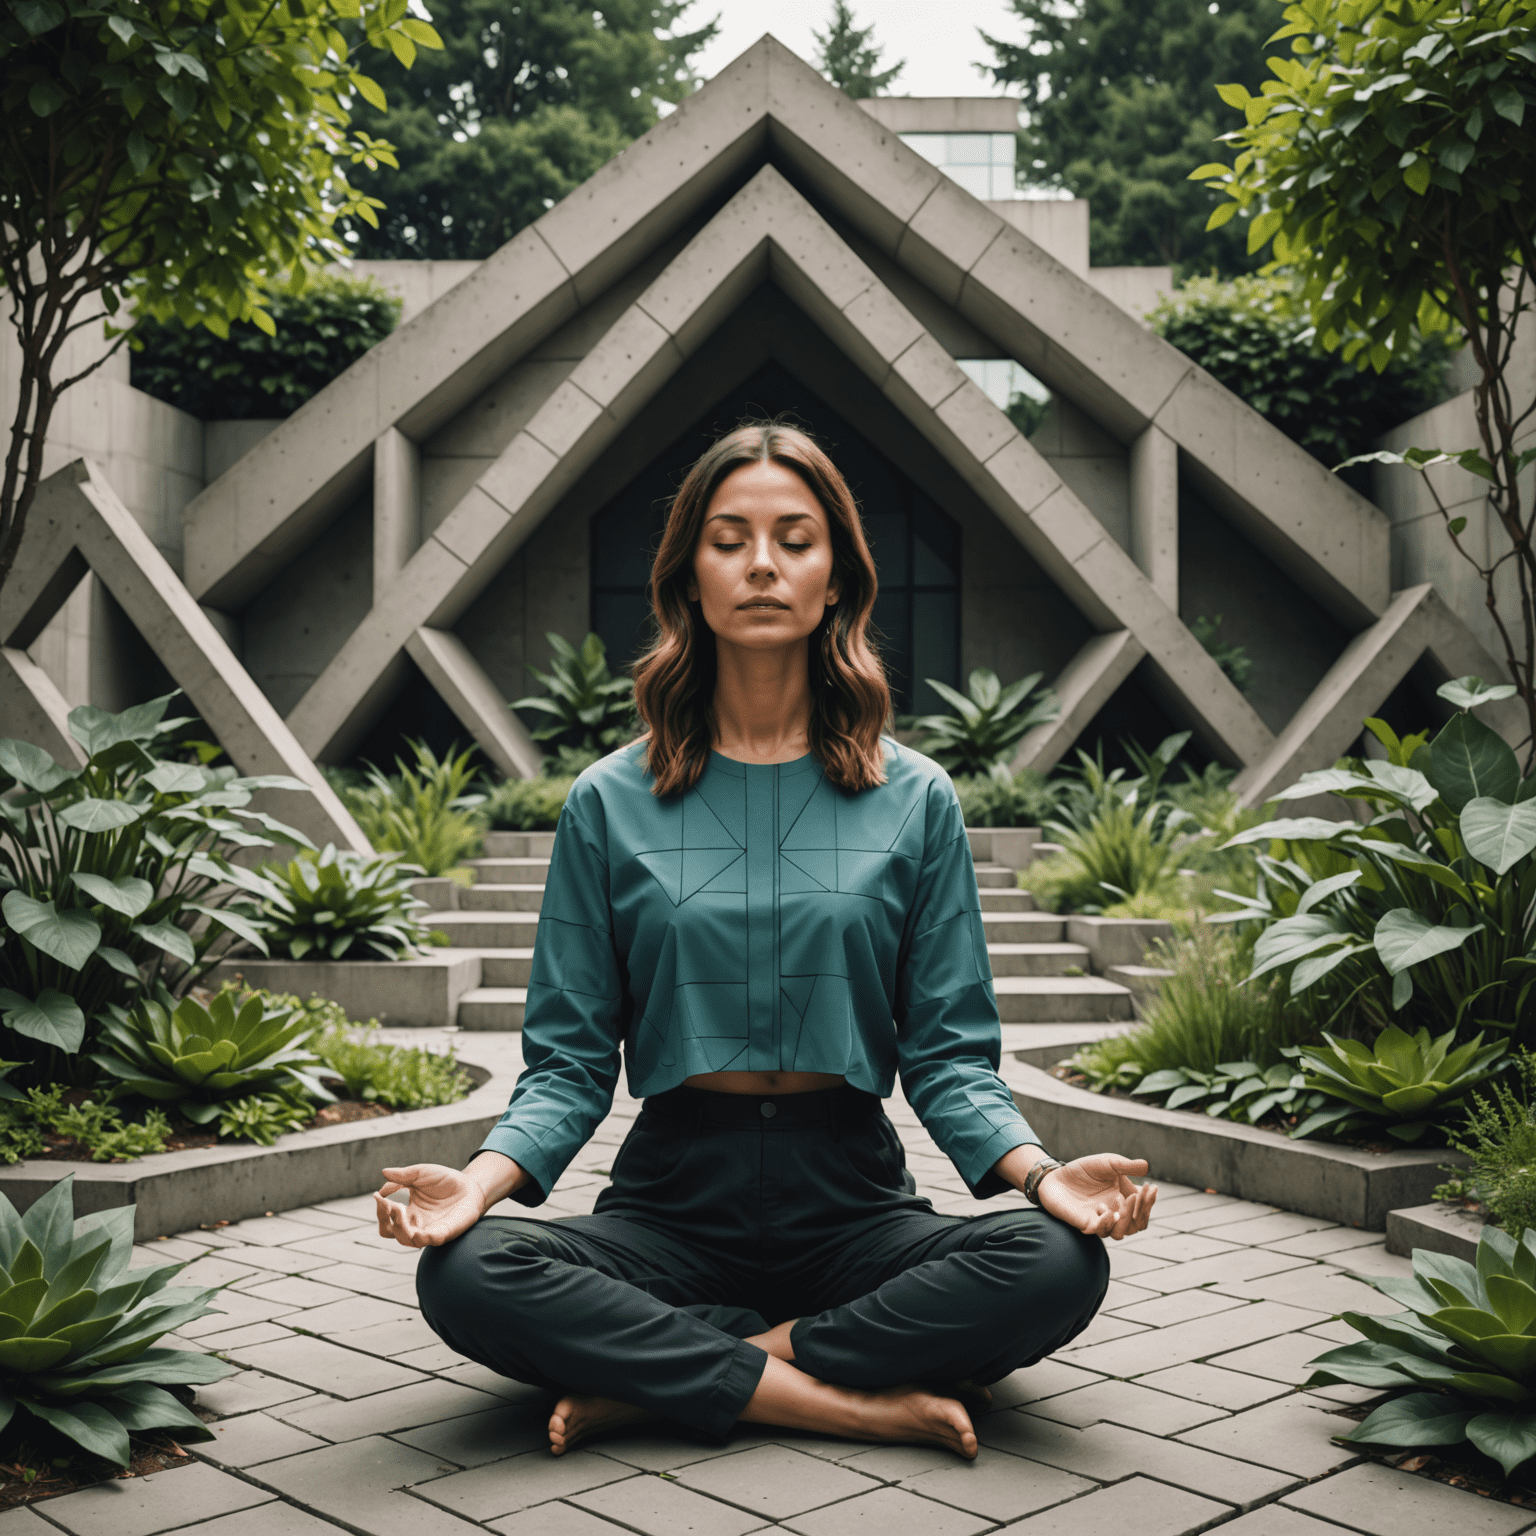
847,57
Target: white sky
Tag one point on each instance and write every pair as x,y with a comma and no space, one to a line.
937,38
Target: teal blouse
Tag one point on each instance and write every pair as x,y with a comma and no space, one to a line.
764,921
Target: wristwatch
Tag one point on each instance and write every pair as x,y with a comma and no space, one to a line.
1035,1174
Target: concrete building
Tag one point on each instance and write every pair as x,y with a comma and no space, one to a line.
388,559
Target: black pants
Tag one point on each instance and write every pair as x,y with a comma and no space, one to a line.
728,1214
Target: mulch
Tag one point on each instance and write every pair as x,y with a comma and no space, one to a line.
1457,1466
33,1474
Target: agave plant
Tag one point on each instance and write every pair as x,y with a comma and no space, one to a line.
1467,1343
341,906
590,708
986,726
199,1058
1405,1085
78,1326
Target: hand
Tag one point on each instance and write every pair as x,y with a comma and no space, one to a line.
444,1202
1095,1195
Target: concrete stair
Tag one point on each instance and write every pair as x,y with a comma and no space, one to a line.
1040,978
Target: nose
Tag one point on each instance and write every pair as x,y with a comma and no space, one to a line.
763,567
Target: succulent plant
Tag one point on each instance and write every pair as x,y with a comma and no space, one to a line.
339,906
984,728
78,1328
1467,1343
199,1058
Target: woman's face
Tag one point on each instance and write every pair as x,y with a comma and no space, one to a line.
763,570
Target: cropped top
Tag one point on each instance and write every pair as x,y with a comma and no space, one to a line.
764,921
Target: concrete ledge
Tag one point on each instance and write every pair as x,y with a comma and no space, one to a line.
1313,1178
1439,1228
1013,846
1116,940
439,892
519,845
423,992
1143,980
174,1191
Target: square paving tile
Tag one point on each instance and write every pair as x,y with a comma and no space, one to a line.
294,1291
1292,1434
423,1402
1104,1330
1384,1502
352,1313
231,1310
253,1437
1374,1260
265,1263
138,1506
269,1231
656,1506
328,1367
555,1520
1322,1243
1277,1520
888,1512
1125,1402
248,1391
1317,1288
394,1339
24,1522
1160,1347
1137,1504
1157,1311
1176,1247
503,1487
997,1485
1273,1228
239,1338
1281,1359
1235,1264
891,1463
435,1357
774,1481
1046,1379
1125,1263
661,1452
1208,1384
1215,1216
214,1270
274,1518
477,1438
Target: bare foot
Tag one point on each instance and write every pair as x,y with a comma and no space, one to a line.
913,1416
577,1418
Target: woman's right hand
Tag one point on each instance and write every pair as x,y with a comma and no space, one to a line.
444,1202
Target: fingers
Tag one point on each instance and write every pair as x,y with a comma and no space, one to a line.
1135,1167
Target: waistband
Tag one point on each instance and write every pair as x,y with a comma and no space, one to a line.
703,1107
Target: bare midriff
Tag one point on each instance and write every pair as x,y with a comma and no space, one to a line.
764,1082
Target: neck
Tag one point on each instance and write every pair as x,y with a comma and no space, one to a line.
762,704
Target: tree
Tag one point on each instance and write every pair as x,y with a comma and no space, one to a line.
1115,95
847,57
1392,163
177,154
526,101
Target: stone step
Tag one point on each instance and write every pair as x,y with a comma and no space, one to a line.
1060,999
485,930
1036,959
509,871
1023,927
519,845
989,875
1006,901
501,898
505,967
492,1008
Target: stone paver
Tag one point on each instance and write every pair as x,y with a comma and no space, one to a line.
255,1437
658,1507
1283,1358
555,1520
1292,1434
328,1367
888,1512
139,1506
1126,1402
1147,1508
1209,1384
423,1402
1194,1340
997,1487
774,1481
483,1493
1384,1502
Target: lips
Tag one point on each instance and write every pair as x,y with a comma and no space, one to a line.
765,603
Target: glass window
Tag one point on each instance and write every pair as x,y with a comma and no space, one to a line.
976,179
969,148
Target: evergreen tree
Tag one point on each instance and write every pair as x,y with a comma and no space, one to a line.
1120,106
847,57
527,100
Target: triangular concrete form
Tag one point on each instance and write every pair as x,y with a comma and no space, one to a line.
740,185
77,523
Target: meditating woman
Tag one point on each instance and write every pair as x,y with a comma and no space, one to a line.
771,908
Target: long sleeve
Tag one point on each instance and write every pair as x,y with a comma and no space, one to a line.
948,1037
573,1021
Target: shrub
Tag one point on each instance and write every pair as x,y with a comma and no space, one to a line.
262,1118
321,332
82,1326
198,1058
589,707
526,805
116,877
99,1128
341,906
1028,799
1499,1137
403,1077
1234,660
988,723
424,813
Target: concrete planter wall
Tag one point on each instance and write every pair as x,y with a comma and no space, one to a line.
423,992
1013,846
1314,1178
1116,940
175,1191
1439,1228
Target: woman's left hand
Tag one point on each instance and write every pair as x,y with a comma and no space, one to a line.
1095,1195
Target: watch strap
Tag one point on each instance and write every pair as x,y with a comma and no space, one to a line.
1033,1177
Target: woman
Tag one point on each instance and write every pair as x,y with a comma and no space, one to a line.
774,909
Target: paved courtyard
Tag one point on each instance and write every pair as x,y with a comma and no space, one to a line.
1178,1410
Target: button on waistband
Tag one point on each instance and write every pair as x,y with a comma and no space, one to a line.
767,1111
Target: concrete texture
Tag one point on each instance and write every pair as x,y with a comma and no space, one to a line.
476,702
944,114
1083,687
1439,1228
1114,941
421,992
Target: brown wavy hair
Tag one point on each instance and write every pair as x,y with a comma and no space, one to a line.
675,679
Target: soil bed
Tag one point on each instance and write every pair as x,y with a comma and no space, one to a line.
155,1450
1458,1466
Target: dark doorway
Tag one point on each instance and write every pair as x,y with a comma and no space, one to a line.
915,543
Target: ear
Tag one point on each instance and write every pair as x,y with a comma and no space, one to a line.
834,592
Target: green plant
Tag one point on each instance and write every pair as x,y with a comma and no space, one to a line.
1499,1137
847,57
80,1327
198,1058
425,814
1426,914
321,331
177,156
590,708
1233,1090
262,1117
99,1128
1234,660
526,805
1404,1086
116,877
1026,800
403,1077
984,728
339,906
1467,1341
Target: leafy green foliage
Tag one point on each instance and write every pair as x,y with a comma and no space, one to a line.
1405,1085
1233,1090
1499,1136
198,1058
403,1077
99,1128
341,906
526,805
79,1350
1119,107
178,155
526,101
262,1117
1234,660
320,332
109,873
1464,1350
1426,914
1026,800
988,722
847,57
589,707
425,813
1251,335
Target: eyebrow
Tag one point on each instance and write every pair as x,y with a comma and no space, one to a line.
736,517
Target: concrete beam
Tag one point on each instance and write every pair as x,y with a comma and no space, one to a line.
476,701
1084,687
396,505
1154,466
34,710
